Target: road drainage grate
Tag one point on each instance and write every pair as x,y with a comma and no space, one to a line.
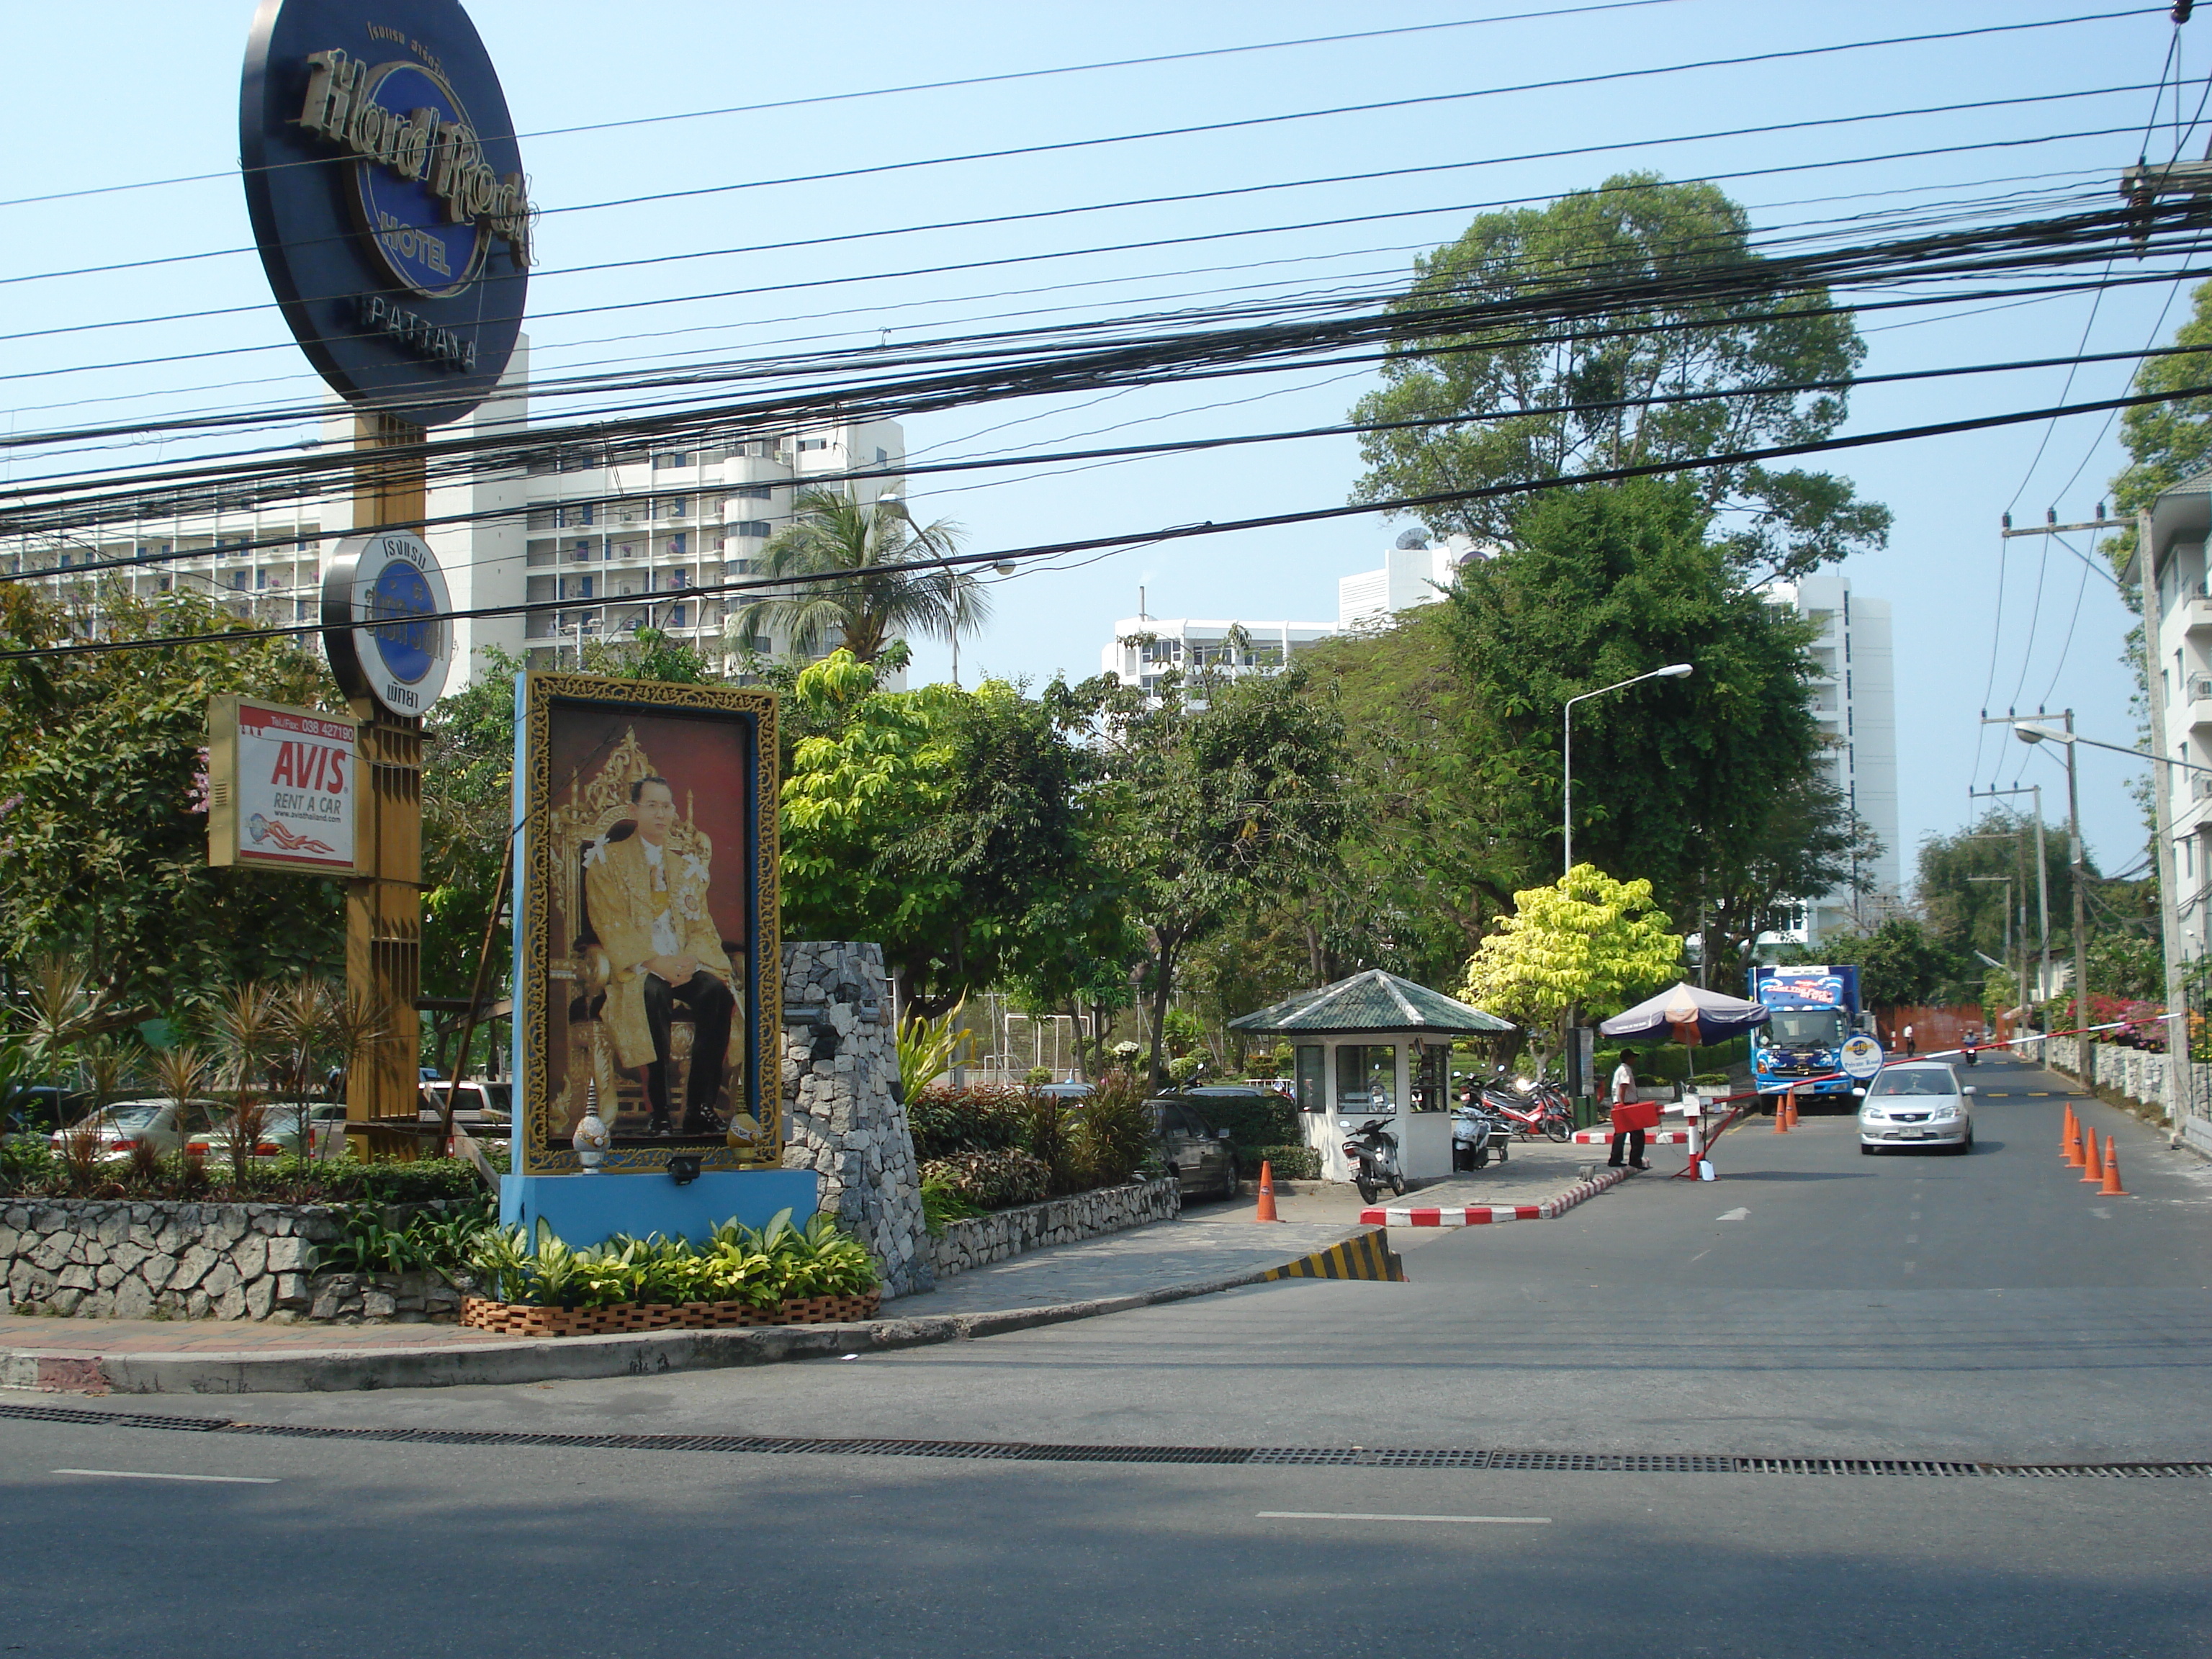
1022,1451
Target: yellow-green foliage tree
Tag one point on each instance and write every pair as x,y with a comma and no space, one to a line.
1586,941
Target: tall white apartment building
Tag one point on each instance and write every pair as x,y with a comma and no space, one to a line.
599,532
1855,702
2180,519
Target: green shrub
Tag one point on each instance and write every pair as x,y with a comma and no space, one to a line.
428,1241
982,1119
990,1181
778,1263
940,1204
1298,1163
1113,1133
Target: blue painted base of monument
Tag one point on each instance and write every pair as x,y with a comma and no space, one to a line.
590,1209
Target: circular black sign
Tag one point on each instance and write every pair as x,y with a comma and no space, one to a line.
388,198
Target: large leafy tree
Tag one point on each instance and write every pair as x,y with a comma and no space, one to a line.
868,603
103,819
958,829
1802,842
2170,442
1675,779
1902,962
1523,401
1585,942
1222,790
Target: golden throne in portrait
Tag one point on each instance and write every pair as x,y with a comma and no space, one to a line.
598,812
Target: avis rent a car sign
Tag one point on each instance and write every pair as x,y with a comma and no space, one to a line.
283,791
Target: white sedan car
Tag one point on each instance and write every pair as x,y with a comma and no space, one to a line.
1920,1103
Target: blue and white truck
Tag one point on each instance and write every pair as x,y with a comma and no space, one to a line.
1812,1009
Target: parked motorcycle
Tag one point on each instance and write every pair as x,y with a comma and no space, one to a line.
1475,1135
1373,1150
1528,1109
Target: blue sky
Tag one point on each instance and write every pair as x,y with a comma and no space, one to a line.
138,91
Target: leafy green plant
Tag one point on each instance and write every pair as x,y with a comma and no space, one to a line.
1113,1133
941,1203
925,1047
985,1118
764,1267
1047,1139
990,1181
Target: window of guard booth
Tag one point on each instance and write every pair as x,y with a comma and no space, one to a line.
1430,1078
1312,1076
1366,1079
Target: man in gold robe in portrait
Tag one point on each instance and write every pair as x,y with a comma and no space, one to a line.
649,906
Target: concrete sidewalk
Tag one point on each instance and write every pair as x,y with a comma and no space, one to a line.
1168,1262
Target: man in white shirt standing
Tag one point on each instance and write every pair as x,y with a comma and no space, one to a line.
649,906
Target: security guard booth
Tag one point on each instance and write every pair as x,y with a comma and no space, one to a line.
1374,1045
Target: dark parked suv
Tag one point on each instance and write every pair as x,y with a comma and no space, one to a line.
1195,1152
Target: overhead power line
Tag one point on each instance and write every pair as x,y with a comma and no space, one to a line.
917,86
1177,533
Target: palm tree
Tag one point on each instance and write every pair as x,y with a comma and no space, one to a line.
877,605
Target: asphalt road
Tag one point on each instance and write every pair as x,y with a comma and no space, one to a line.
1813,1302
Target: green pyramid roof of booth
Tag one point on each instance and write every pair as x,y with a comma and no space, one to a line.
1372,1001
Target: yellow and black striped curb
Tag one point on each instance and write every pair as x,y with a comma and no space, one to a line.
1363,1255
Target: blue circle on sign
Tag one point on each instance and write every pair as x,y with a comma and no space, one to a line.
401,613
412,232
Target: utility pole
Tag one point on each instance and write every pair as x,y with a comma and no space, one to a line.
2074,859
2042,882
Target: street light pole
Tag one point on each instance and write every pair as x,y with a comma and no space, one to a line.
1672,671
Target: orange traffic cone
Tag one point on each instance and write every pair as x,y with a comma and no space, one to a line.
1793,1108
2074,1145
1782,1115
2093,1168
1266,1211
2112,1189
2066,1130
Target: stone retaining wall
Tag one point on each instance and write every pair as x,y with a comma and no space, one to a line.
125,1259
993,1237
2136,1073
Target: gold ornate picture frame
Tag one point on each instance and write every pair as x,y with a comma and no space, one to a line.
586,749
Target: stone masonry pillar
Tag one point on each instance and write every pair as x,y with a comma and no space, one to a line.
847,1124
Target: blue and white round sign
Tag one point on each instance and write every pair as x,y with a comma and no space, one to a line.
1862,1056
385,624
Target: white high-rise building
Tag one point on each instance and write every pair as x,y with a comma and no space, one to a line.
1855,702
1413,570
598,530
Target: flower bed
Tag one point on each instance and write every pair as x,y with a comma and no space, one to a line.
521,1319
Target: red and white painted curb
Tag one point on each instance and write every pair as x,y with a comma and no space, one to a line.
1651,1137
1489,1215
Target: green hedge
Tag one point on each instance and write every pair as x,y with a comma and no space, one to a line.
983,1119
1299,1163
989,1180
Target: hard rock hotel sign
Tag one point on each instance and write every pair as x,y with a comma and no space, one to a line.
388,199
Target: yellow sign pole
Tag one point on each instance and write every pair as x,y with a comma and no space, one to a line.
383,910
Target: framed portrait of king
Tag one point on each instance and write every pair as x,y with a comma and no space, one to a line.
647,958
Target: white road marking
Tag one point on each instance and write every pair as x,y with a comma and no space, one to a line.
2100,1213
149,1474
1739,1213
1451,1520
1912,1239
